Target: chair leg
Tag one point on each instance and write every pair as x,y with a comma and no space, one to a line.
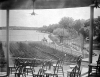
63,71
10,70
31,69
68,74
27,71
54,70
89,71
17,74
47,75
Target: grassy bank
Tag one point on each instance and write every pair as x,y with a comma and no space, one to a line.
37,50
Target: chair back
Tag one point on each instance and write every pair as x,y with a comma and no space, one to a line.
99,57
98,62
41,71
59,63
16,62
79,60
75,72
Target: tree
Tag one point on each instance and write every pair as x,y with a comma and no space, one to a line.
78,25
51,27
61,33
66,22
83,35
96,28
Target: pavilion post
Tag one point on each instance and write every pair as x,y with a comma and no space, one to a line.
7,40
91,33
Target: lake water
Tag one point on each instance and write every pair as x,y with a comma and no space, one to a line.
23,35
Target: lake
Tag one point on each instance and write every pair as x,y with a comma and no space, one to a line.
23,35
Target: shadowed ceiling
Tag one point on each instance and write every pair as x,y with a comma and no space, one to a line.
43,4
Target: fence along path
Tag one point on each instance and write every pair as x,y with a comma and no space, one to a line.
62,48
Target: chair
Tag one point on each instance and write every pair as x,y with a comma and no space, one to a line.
46,65
20,68
12,67
40,73
17,64
30,66
94,68
79,59
75,72
58,67
75,67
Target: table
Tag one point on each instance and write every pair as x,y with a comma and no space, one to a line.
93,69
49,73
3,74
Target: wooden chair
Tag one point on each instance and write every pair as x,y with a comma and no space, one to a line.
94,68
75,67
45,70
20,68
17,63
30,66
12,68
46,65
40,73
78,62
58,67
76,72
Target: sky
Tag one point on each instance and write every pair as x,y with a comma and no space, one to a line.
45,16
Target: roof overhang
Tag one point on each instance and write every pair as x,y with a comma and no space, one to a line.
44,4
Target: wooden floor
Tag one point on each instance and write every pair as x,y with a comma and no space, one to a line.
94,75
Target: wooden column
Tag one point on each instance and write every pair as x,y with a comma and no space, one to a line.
91,33
7,40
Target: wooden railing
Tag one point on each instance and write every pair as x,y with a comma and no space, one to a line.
45,60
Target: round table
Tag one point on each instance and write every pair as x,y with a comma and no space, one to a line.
3,74
49,73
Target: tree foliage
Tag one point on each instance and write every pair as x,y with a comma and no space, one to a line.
66,22
96,28
73,27
78,25
52,27
49,28
61,33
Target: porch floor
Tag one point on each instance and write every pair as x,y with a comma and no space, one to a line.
65,68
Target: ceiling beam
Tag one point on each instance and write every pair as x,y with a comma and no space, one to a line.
44,4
